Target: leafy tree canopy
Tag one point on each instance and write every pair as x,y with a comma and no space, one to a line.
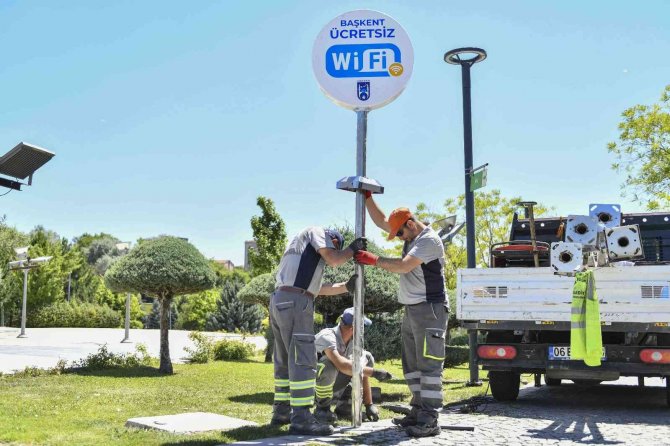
270,237
643,152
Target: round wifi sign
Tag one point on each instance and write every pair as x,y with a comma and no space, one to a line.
362,60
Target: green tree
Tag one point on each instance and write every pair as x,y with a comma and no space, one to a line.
270,237
163,268
47,283
643,152
232,314
194,309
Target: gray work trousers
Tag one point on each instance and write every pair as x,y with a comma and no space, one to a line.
423,331
331,383
292,322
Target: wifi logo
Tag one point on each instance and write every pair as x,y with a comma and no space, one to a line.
396,69
364,60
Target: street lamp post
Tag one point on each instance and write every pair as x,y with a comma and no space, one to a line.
125,247
454,57
25,263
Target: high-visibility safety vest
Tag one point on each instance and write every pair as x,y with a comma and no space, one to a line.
586,341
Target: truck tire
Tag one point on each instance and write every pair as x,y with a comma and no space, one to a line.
504,385
552,381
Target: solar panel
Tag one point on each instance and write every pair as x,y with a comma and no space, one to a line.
23,160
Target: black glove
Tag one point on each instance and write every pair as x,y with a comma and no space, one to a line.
351,283
360,244
371,413
381,375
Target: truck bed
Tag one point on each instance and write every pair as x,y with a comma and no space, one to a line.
627,294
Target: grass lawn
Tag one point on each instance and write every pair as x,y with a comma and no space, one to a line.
91,408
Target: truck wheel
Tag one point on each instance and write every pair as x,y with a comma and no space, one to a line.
504,385
552,381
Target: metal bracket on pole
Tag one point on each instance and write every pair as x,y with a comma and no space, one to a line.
356,183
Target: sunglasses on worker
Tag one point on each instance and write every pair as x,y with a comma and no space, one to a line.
401,231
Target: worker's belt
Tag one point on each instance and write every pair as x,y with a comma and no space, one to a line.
293,289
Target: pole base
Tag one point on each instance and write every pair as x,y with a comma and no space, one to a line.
22,335
473,384
126,341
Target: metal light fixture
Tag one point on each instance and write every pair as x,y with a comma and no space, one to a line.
21,162
25,263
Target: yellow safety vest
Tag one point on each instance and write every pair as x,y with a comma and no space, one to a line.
586,340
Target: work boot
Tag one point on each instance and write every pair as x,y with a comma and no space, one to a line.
406,421
310,426
325,415
424,430
281,414
343,412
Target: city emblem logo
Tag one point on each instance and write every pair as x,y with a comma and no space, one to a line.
363,90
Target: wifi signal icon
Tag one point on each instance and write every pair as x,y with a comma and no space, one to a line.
396,69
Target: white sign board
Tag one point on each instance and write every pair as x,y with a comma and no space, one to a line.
362,60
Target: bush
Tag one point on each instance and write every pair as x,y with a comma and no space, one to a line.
229,350
75,314
104,359
382,338
203,350
455,355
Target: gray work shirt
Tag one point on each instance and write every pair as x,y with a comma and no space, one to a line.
302,265
425,283
332,338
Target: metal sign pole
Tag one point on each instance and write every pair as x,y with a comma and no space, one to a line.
357,369
24,304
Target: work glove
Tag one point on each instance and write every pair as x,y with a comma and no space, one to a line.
360,244
351,283
366,258
371,413
381,375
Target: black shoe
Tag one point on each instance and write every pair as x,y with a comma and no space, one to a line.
424,430
310,427
324,415
406,421
343,413
281,414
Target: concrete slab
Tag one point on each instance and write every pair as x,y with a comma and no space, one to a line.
44,347
188,423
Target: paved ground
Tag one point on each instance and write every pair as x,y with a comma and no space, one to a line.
610,414
45,346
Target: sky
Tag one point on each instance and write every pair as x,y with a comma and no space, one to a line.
172,117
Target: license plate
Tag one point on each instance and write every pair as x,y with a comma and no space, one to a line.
562,353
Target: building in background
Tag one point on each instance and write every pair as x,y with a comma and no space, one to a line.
227,264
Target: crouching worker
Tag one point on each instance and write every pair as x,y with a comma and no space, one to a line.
334,372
